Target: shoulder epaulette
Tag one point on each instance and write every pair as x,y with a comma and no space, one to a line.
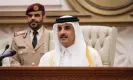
20,33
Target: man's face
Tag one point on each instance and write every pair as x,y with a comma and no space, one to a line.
35,20
66,34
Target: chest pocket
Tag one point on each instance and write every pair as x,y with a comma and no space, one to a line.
22,50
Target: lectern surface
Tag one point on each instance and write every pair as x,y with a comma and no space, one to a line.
66,73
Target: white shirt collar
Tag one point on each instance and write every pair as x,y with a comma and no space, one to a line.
40,32
70,50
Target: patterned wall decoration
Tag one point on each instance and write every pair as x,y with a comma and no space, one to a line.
107,7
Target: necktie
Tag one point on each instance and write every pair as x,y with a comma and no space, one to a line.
34,41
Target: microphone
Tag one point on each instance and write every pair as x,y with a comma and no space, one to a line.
7,46
7,54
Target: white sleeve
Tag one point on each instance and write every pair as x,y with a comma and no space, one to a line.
95,57
45,59
6,62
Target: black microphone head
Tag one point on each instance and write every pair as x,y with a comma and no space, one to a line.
7,46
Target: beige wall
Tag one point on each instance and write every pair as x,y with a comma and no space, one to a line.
91,12
21,5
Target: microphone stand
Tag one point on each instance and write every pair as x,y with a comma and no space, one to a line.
1,58
0,63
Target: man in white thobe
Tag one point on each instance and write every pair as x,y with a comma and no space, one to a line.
70,47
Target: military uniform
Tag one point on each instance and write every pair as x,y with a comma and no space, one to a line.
27,55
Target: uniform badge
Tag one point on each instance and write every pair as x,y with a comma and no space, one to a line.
35,8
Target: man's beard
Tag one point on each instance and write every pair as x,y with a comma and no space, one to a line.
35,25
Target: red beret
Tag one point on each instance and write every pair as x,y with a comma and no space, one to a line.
35,7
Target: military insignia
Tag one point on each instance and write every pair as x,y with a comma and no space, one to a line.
35,8
20,33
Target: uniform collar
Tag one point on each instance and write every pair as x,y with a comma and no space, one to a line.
40,31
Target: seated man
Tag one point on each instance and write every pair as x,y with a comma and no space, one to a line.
70,47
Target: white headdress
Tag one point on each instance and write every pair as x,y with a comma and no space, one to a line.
79,46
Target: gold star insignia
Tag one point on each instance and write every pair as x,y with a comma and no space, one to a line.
35,8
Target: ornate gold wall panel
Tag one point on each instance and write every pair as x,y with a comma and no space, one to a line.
89,12
107,7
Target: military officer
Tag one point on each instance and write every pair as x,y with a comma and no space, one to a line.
31,44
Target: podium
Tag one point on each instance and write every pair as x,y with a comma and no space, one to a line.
66,73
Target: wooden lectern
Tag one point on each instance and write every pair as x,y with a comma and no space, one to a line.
66,73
